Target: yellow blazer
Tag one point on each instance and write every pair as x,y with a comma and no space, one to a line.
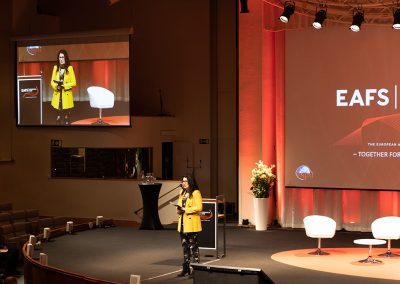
69,82
191,217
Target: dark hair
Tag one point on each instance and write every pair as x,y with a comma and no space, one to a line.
67,62
192,184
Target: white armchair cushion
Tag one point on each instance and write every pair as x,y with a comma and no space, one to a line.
386,228
100,97
318,226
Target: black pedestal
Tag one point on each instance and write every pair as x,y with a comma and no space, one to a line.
150,220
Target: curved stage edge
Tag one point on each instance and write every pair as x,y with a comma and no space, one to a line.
34,272
343,261
111,255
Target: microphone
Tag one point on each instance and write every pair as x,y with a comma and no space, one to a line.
179,185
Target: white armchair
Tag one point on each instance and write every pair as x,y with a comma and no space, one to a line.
387,228
319,227
100,98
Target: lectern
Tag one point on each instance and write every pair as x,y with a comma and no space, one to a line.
150,220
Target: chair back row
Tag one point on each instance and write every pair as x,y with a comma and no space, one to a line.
386,228
318,226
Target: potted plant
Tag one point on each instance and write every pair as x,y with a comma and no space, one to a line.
262,180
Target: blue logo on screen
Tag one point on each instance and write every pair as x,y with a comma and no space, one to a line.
304,173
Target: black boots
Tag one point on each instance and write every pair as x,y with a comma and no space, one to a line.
66,119
185,270
63,118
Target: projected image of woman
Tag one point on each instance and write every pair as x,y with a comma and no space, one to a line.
190,204
62,81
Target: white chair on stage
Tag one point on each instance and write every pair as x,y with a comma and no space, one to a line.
100,98
319,227
387,228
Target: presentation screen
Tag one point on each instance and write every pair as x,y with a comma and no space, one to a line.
73,82
342,118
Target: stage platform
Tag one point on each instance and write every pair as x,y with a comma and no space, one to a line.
115,253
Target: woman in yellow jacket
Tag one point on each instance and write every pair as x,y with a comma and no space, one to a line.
190,204
62,81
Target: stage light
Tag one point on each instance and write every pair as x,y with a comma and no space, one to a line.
358,18
288,10
320,17
243,6
396,19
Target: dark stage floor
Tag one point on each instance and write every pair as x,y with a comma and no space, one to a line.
115,253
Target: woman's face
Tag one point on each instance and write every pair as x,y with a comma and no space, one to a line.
61,58
185,183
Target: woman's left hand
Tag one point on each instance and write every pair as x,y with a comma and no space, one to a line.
181,210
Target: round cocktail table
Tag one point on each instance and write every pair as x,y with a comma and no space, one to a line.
370,243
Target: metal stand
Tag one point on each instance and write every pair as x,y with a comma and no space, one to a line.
221,200
389,252
319,251
369,259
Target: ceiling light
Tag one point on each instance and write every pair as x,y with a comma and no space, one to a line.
396,19
288,10
358,18
320,17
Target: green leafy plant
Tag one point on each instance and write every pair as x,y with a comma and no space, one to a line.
262,180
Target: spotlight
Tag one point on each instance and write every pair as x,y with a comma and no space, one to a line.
358,18
243,6
320,17
288,10
396,19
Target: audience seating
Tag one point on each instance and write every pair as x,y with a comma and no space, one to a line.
387,228
32,214
59,222
5,218
32,217
20,230
5,206
17,225
52,223
18,216
6,233
45,223
14,235
319,227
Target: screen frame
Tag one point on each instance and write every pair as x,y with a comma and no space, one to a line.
365,186
76,37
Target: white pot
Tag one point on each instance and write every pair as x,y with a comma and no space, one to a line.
261,207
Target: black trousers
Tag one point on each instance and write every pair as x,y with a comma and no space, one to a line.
63,114
190,245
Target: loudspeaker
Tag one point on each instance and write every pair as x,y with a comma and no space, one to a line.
243,6
215,274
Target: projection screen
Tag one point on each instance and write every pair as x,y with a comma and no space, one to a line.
342,119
